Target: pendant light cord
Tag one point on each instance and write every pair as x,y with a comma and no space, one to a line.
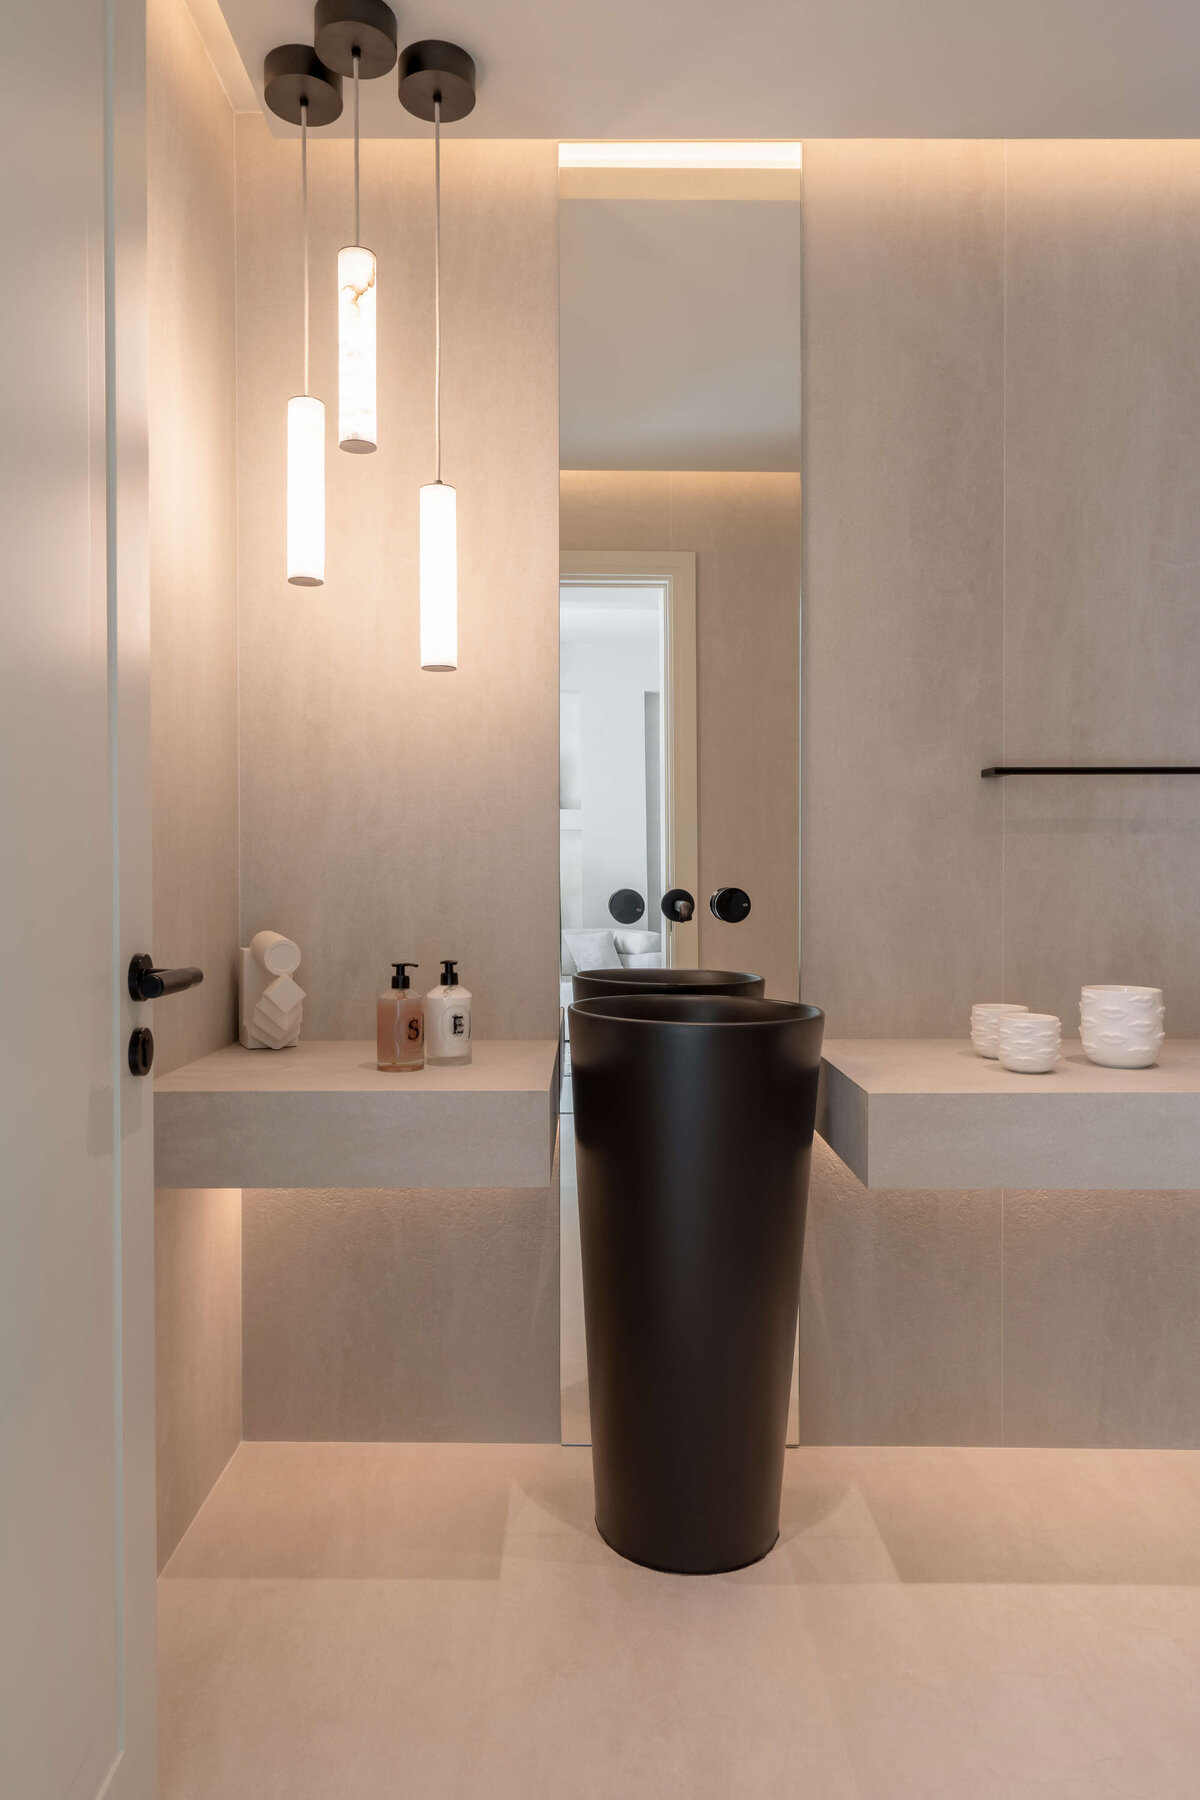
304,209
437,288
357,227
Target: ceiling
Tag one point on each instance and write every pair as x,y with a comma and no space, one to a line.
679,344
788,68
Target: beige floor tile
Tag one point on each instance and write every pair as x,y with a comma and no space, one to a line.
319,1690
622,1681
350,1510
1011,1690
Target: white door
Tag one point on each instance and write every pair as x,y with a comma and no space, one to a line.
76,1178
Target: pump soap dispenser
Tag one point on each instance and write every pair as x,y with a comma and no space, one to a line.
448,1020
400,1023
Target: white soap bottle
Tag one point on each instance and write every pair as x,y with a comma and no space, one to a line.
448,1021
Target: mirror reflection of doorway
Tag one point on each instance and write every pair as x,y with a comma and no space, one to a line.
627,758
612,804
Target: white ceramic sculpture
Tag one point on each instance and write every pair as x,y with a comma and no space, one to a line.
985,1025
1030,1043
1122,1027
272,1003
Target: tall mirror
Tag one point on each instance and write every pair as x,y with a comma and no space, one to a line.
680,581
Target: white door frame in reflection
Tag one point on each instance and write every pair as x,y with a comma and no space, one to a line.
676,571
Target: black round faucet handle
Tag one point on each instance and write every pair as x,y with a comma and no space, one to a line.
732,904
626,906
678,906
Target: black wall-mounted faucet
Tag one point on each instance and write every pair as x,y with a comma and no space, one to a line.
678,906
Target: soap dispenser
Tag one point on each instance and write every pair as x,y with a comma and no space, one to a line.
448,1020
400,1023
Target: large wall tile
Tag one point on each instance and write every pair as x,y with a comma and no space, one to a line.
900,1339
902,592
192,397
1102,630
388,813
198,1348
1101,884
427,1314
1101,1299
1102,456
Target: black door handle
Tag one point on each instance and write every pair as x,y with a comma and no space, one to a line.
148,983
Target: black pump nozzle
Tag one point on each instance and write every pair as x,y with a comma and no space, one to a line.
449,972
400,978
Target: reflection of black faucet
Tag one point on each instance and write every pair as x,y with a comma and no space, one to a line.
678,906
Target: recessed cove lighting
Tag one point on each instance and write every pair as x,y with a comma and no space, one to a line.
680,156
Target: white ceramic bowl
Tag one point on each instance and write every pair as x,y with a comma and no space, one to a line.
1030,1043
1122,1027
985,1025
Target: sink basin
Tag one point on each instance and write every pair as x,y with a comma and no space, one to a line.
612,984
694,1119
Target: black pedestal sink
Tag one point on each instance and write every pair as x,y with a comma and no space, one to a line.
615,984
694,1122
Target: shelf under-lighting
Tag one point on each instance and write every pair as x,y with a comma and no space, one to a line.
680,156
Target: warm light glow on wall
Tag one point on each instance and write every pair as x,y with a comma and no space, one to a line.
679,156
439,577
305,491
357,427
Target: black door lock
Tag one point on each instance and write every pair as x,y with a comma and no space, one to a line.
141,1051
678,906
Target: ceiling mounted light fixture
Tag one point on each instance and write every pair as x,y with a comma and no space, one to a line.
437,82
356,38
298,87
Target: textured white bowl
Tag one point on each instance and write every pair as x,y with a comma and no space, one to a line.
1030,1043
1122,1027
985,1025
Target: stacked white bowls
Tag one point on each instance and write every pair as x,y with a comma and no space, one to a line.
1122,1027
1030,1043
985,1025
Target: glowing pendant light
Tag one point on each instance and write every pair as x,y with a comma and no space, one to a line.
306,443
357,38
437,81
357,429
298,87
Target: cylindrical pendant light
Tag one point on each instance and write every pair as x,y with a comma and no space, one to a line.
357,38
437,81
439,577
306,442
299,88
305,491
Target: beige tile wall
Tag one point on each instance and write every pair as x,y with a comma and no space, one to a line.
388,813
1000,542
386,1315
745,530
903,582
193,534
1102,544
198,1348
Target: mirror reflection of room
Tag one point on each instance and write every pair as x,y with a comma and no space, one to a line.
680,443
